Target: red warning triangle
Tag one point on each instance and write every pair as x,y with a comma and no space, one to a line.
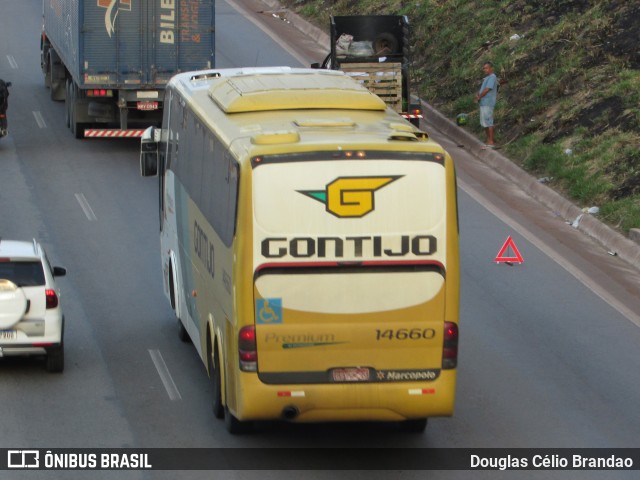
515,258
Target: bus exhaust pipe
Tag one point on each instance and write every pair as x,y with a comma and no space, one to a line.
290,412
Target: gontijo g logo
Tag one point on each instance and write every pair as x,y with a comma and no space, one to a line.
350,197
113,8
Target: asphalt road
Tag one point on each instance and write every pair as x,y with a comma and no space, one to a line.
549,351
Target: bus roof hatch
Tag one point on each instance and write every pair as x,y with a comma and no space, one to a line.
289,91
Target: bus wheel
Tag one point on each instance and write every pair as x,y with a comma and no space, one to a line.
235,426
414,426
216,383
182,332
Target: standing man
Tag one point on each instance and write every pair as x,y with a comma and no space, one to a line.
486,98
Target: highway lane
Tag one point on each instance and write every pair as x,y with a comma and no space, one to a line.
544,362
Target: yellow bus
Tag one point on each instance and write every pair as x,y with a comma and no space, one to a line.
309,244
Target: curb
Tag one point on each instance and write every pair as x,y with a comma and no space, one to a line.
310,30
610,239
613,241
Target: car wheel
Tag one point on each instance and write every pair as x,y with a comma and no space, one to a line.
55,359
216,385
414,426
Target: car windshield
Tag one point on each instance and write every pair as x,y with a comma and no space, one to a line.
23,274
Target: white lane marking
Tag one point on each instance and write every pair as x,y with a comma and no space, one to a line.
12,62
579,275
39,119
86,208
165,376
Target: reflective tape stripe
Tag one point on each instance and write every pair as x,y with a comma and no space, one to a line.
422,391
291,394
113,133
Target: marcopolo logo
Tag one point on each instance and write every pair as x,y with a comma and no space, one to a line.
350,197
113,8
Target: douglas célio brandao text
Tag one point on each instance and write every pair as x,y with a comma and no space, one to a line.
550,461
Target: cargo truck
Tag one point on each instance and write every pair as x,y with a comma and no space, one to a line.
375,51
109,60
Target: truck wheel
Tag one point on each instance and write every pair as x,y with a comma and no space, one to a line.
385,44
72,110
44,61
67,104
52,89
76,128
56,76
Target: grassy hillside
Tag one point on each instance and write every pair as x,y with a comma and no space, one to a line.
572,83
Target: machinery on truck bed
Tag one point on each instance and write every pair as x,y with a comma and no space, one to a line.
374,49
109,60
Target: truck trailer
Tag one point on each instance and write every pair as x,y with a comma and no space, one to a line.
109,60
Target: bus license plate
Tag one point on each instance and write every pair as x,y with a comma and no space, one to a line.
147,105
350,374
8,335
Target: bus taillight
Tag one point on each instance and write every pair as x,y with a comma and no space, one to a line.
450,347
247,349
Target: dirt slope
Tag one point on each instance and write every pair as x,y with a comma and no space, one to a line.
569,104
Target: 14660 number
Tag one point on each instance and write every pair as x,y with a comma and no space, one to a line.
406,334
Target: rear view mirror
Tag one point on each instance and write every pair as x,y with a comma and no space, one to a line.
59,271
149,152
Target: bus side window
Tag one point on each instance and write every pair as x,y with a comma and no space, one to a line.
164,152
219,179
232,199
176,115
194,158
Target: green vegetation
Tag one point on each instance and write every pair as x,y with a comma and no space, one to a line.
571,82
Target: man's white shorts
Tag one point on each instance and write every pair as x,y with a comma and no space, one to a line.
486,116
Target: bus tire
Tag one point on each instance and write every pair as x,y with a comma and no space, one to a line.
235,426
216,383
417,425
183,335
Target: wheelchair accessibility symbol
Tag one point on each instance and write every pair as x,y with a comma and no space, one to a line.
268,311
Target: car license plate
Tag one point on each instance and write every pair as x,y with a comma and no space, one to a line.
147,105
8,335
355,374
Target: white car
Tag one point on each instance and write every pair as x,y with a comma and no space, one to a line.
31,319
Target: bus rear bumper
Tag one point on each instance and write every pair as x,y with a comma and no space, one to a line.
395,401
